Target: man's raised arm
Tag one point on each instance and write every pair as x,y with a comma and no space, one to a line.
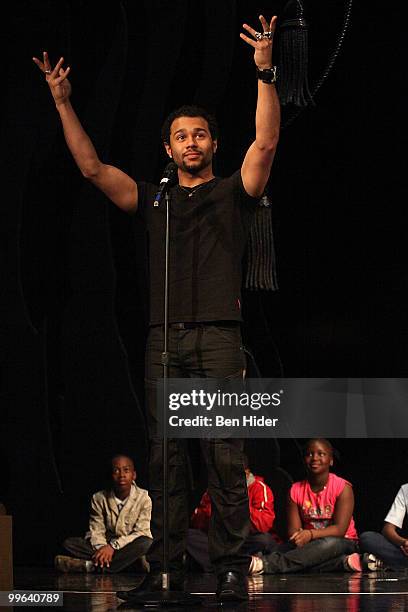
259,157
115,184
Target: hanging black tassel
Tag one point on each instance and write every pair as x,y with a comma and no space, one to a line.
261,262
293,85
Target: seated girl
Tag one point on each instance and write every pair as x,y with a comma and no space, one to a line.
322,534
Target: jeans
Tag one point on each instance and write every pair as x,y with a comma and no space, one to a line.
197,546
206,351
82,549
376,543
320,555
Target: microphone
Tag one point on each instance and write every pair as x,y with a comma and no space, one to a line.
169,179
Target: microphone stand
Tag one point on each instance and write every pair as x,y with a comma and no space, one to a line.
166,597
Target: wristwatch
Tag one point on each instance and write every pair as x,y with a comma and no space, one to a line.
267,75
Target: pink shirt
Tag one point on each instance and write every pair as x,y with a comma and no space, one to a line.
316,509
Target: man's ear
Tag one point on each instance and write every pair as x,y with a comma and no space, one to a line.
168,150
215,146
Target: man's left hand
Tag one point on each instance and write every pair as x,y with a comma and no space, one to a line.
103,556
262,46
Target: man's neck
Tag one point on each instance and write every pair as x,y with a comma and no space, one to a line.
186,179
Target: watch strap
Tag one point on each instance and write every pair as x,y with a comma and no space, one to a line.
267,75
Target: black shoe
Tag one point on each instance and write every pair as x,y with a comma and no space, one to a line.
151,584
231,587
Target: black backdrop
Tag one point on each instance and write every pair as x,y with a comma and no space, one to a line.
74,279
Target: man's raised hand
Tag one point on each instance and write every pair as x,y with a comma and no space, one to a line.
56,78
261,43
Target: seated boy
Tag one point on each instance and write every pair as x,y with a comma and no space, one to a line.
119,526
262,515
389,546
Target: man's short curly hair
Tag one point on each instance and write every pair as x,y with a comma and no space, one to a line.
189,111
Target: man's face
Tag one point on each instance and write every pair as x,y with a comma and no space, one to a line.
191,146
123,473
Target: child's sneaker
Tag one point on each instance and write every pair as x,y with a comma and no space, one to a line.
256,567
371,563
353,563
63,563
363,563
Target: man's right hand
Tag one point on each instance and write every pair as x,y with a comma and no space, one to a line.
56,78
120,188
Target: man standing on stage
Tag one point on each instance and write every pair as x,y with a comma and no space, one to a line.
210,221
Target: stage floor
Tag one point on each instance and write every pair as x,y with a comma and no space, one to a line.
296,593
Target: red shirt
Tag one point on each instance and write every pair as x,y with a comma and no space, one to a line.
262,514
